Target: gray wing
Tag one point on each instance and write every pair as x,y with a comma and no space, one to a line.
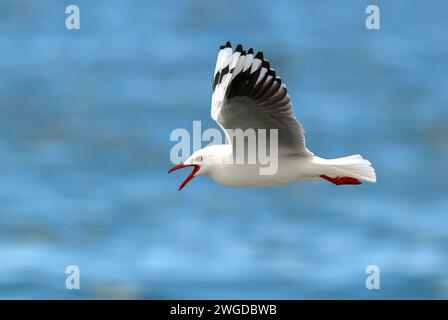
247,93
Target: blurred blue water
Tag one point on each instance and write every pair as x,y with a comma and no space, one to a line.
84,148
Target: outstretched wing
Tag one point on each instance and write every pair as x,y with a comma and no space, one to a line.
247,93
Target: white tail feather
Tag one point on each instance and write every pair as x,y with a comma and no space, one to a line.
354,166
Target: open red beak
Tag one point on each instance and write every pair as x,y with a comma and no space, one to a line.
190,176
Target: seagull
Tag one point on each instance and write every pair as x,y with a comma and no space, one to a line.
248,94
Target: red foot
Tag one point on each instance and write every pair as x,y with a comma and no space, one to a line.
341,180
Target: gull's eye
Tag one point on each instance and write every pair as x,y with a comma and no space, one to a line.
199,158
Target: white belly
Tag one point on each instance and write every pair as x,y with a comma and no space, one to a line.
290,169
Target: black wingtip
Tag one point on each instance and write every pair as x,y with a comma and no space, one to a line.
259,55
228,45
250,51
265,64
239,48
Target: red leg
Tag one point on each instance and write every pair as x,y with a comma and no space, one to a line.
341,180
